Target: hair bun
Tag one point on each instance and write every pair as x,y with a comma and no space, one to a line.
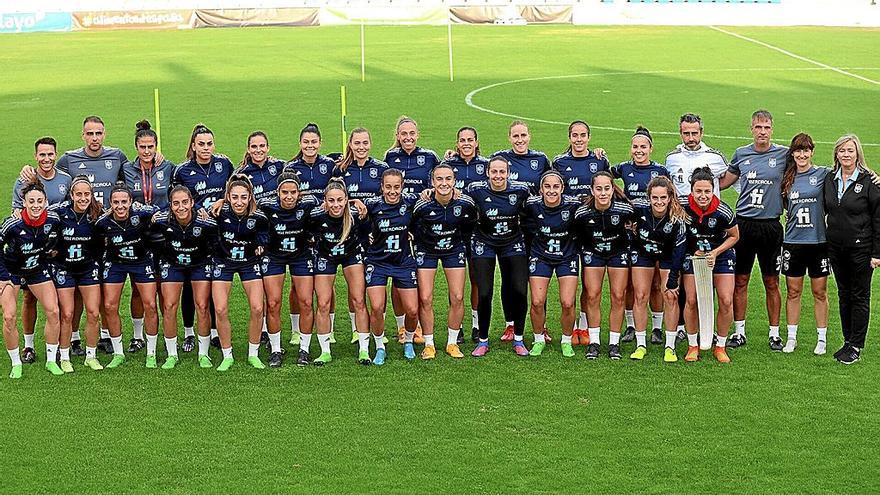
143,125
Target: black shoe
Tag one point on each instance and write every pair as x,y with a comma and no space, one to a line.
189,344
850,357
460,339
843,350
135,345
475,335
76,348
303,359
738,340
28,355
264,341
629,335
215,342
592,351
275,360
680,337
614,352
776,344
105,346
657,336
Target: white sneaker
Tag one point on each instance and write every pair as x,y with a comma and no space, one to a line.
820,348
790,346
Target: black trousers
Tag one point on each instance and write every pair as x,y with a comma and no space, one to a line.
514,290
852,271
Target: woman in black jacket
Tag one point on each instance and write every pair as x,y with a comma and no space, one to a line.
852,209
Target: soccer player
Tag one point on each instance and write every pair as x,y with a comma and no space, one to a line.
416,164
56,185
314,171
804,249
205,174
76,267
442,226
362,175
549,221
259,167
124,230
187,241
469,166
148,179
389,256
852,214
636,174
289,249
657,251
243,232
27,242
335,227
757,168
712,232
498,235
602,222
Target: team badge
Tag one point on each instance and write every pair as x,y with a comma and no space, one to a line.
322,168
480,169
299,214
197,231
594,168
322,265
420,160
108,164
62,189
653,175
667,228
403,209
160,175
615,219
564,214
857,188
164,271
47,228
634,257
712,222
369,273
420,259
512,199
772,162
273,169
60,277
374,173
251,223
534,164
456,210
265,265
814,181
218,167
106,272
218,269
135,221
478,248
588,258
533,264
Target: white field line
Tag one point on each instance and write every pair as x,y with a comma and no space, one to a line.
469,98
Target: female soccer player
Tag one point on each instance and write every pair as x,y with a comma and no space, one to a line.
205,174
549,219
498,235
442,226
469,166
314,171
243,233
658,247
712,232
389,256
635,174
334,227
28,242
416,164
185,252
289,249
852,213
259,167
362,176
149,181
602,222
804,248
124,230
76,267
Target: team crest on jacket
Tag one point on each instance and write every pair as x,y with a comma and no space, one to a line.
615,219
712,223
322,168
480,169
62,189
299,214
534,164
772,162
594,168
47,228
197,231
857,188
403,209
667,228
160,175
251,223
218,166
374,173
135,221
653,175
512,199
456,210
814,181
108,164
273,170
420,160
564,215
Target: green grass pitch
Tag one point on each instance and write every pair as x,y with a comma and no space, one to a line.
767,423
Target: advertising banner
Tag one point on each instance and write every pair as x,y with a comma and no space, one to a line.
34,21
256,17
142,19
512,14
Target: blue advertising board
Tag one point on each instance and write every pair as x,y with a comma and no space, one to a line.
34,21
